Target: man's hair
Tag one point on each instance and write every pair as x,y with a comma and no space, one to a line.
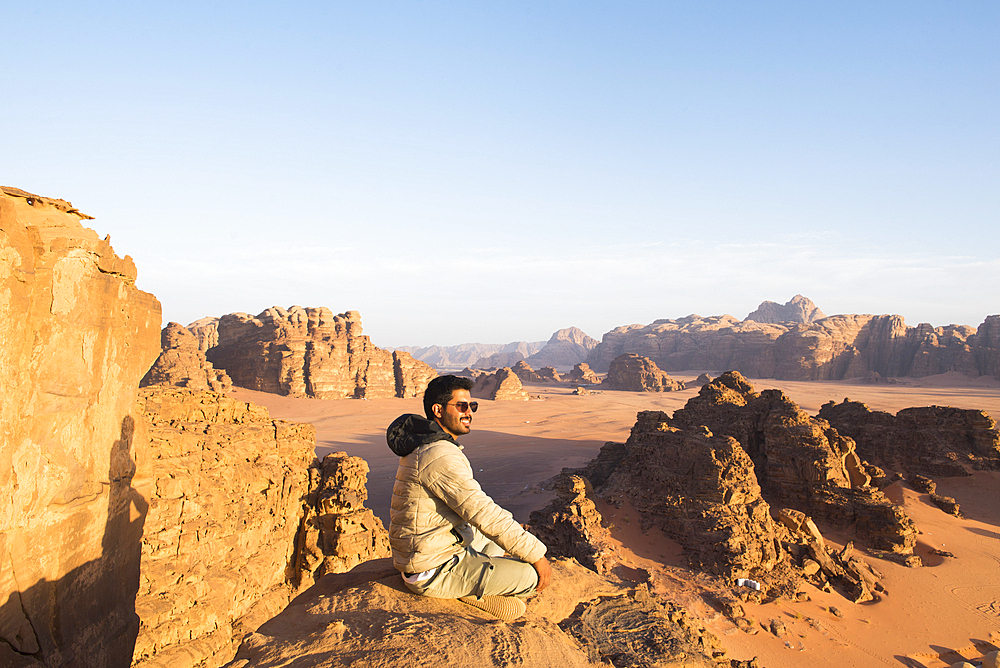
440,389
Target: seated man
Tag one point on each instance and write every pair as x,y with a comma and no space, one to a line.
448,537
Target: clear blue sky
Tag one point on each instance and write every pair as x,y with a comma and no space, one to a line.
496,171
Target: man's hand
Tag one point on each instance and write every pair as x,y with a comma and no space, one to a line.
544,573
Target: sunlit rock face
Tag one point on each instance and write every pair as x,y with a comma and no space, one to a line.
310,352
76,335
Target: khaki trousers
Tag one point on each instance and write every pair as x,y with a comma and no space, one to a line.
481,570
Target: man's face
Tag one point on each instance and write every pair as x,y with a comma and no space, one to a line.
451,419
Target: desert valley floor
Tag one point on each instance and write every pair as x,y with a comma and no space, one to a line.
931,617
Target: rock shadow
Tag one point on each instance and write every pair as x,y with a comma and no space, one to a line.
86,618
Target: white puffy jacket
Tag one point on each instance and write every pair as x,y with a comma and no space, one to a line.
436,493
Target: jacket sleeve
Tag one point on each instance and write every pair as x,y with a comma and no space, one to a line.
449,477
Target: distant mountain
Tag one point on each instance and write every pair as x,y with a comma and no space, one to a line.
565,348
797,309
445,358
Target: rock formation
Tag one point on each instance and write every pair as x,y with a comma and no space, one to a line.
821,566
312,352
797,309
708,477
832,348
76,335
224,486
546,374
368,617
582,373
525,373
933,441
501,385
340,532
239,517
206,331
182,363
701,490
549,374
634,373
571,526
801,462
564,348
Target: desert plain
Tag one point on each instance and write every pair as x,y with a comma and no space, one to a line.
933,616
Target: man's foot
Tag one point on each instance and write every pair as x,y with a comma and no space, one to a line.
507,608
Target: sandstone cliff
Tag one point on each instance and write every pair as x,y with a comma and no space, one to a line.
182,363
312,352
76,335
634,373
239,517
832,348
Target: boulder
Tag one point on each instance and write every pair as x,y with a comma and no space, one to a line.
634,373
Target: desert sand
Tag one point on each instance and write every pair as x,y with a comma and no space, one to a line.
932,616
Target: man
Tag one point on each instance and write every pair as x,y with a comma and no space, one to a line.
448,537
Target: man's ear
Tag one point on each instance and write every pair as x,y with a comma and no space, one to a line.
438,410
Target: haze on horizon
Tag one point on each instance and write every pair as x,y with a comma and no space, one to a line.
469,172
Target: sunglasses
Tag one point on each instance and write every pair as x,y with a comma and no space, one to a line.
463,406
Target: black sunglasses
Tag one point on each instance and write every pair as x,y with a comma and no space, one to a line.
463,406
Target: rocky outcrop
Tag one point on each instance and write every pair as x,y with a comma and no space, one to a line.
832,348
634,373
800,461
701,490
571,526
582,373
501,385
182,363
822,566
224,487
312,352
932,441
339,531
549,374
546,374
525,373
797,309
367,616
76,335
239,517
564,348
